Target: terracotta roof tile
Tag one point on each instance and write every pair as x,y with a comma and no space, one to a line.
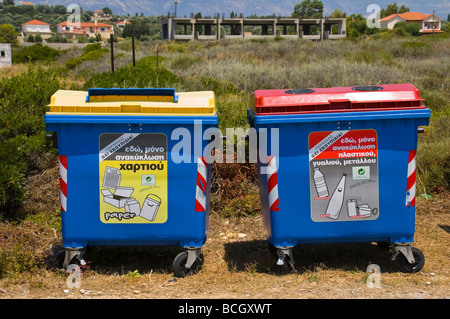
35,22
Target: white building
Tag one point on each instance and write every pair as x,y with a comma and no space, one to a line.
428,22
5,54
35,27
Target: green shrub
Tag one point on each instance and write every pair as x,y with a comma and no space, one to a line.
23,103
91,52
413,29
34,53
433,157
413,49
57,39
144,74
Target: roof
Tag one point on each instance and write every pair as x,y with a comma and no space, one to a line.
123,22
35,22
84,24
409,16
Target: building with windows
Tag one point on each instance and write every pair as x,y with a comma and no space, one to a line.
428,23
235,28
84,29
36,27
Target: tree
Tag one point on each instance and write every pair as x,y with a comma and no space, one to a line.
136,28
336,13
8,2
393,9
356,25
107,10
308,9
403,9
8,35
59,9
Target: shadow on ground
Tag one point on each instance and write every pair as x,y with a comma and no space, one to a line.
257,255
245,256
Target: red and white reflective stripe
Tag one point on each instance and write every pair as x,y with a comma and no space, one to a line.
272,183
200,193
63,181
411,180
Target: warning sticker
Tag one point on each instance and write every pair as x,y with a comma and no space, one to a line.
343,168
133,178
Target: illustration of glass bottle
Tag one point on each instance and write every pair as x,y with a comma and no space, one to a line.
320,183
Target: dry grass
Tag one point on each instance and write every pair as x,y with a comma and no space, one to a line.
237,264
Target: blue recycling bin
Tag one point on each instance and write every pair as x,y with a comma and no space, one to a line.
340,166
132,170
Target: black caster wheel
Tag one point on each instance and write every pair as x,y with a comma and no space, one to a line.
60,260
179,264
416,266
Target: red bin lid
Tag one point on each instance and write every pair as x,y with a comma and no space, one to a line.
336,99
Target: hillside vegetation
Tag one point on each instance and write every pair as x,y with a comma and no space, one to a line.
232,69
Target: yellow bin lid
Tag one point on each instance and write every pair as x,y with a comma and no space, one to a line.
133,101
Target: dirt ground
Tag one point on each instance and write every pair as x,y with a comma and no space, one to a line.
238,264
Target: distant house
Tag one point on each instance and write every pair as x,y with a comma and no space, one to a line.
123,23
35,27
24,3
428,22
84,29
100,14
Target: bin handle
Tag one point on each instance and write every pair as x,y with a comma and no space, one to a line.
340,104
132,94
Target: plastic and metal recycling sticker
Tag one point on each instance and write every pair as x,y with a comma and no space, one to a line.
343,168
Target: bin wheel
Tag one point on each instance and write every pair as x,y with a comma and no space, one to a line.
60,260
416,266
179,264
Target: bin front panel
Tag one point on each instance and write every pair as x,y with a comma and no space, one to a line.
157,199
358,192
125,179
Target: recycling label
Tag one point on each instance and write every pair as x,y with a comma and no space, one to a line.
133,178
343,169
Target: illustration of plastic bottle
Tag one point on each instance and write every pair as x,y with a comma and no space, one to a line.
337,199
320,183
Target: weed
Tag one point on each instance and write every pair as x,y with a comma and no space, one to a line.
132,274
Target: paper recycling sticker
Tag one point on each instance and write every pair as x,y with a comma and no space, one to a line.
133,178
343,170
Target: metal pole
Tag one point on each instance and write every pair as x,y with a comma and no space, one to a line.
112,52
134,55
176,2
157,54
